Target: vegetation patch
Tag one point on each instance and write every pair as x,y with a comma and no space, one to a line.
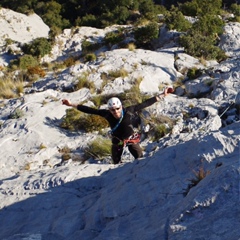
75,120
199,175
99,148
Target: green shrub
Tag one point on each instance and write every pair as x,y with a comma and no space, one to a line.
99,148
209,25
235,8
75,120
9,41
147,8
201,7
201,40
87,20
27,61
160,131
39,47
52,14
146,34
206,7
90,57
160,126
200,46
176,20
194,73
88,46
71,119
189,8
114,37
91,123
120,15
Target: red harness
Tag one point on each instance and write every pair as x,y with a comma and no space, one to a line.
135,138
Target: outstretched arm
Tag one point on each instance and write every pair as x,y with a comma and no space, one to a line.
85,109
151,100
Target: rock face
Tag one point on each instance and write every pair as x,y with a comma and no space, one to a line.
230,40
185,187
20,27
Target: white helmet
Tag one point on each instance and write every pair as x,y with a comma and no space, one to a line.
114,103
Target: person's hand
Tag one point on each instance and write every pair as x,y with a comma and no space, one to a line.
165,93
168,90
66,102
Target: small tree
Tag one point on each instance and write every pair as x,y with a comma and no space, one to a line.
27,61
38,47
209,25
201,40
175,20
197,45
146,34
120,15
114,37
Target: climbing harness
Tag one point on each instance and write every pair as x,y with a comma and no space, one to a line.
135,138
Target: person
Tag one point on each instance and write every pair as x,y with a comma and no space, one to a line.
121,123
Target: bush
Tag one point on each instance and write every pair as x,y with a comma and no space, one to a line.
201,7
99,148
39,47
27,61
147,9
98,100
160,126
120,15
90,57
209,25
146,34
200,46
160,131
194,73
76,120
133,95
235,8
113,37
189,8
87,20
176,20
91,123
88,46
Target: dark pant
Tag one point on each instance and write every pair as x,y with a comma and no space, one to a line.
117,151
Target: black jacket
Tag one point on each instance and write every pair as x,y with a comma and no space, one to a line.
125,128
